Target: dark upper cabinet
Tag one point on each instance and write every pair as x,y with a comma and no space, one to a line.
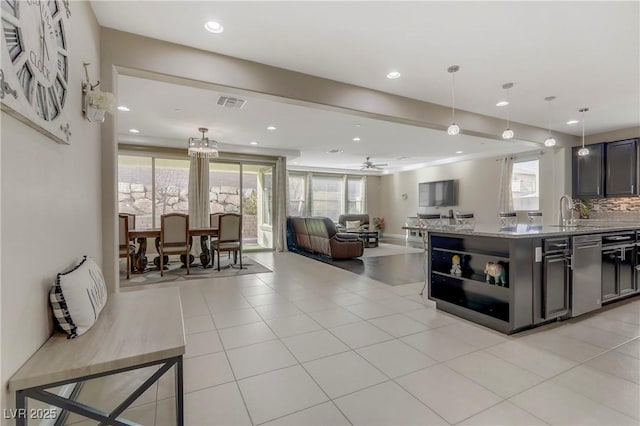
621,168
588,172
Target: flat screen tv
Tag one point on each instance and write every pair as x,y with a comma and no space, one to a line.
436,194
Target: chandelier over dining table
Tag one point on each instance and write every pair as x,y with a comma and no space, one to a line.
203,147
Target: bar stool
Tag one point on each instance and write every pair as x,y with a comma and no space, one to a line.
430,221
534,220
508,220
464,220
427,222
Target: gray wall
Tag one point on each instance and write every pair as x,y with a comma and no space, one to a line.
51,206
478,182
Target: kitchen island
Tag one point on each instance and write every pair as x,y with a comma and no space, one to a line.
518,278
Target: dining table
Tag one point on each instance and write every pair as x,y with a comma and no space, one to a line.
140,235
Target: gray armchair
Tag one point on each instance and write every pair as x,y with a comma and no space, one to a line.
343,218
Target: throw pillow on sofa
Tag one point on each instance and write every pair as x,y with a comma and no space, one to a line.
78,296
352,225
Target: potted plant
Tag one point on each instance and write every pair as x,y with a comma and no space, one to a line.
378,225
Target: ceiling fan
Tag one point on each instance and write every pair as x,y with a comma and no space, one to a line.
368,165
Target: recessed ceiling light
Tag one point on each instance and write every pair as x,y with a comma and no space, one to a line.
214,27
123,108
177,110
253,143
134,131
334,151
393,75
458,152
573,122
356,139
294,162
403,158
358,125
271,128
502,103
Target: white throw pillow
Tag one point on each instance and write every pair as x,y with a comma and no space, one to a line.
352,225
78,296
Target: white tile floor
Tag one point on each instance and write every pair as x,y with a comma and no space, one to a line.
310,344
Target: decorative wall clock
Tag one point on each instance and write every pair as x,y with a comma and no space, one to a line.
34,78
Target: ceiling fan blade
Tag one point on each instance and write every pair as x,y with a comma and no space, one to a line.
380,165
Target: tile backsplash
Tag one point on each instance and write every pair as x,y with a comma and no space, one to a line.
622,208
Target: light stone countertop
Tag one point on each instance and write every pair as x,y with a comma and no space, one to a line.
135,327
526,231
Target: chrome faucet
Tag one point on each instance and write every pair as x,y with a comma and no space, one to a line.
564,221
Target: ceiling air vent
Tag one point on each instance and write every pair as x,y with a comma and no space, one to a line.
228,102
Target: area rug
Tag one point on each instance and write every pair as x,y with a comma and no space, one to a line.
396,269
385,249
178,273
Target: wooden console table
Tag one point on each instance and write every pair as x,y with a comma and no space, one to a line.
136,329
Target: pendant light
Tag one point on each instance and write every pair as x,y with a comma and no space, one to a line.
202,147
550,141
584,151
508,133
453,128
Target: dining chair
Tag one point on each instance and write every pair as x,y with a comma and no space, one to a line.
214,222
174,237
229,236
132,219
124,248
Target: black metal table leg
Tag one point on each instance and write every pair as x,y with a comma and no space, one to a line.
179,394
21,407
205,255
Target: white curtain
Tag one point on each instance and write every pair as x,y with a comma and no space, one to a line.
505,197
364,195
281,202
199,193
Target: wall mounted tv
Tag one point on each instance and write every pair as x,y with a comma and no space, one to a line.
436,194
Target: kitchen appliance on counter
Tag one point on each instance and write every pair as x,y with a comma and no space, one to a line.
586,274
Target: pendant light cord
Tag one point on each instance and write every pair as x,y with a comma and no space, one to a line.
549,117
453,97
583,128
508,109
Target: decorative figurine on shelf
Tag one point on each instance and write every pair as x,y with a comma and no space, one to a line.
497,272
455,265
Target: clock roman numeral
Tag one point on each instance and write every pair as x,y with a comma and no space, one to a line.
53,109
62,66
14,42
60,91
25,77
41,102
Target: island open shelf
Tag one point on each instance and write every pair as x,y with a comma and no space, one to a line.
501,299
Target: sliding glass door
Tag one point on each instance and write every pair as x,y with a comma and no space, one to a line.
247,188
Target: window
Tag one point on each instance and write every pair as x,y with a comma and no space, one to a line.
326,196
172,187
355,195
297,191
525,185
150,187
135,193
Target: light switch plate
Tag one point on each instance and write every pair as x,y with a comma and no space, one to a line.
538,254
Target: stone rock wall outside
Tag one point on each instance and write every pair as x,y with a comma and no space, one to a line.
137,199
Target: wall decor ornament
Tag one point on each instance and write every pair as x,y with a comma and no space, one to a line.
34,75
96,102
